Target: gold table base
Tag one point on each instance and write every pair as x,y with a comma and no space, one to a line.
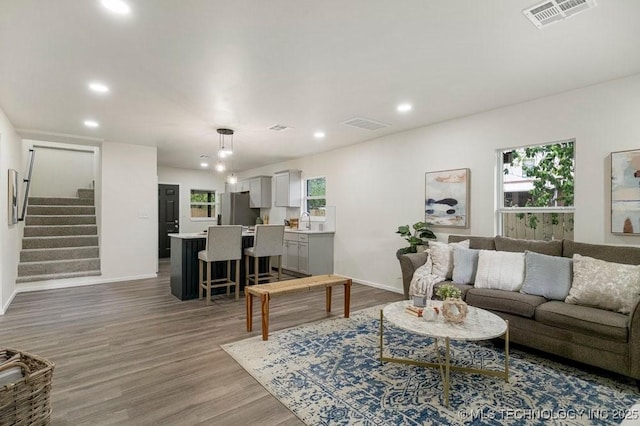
446,367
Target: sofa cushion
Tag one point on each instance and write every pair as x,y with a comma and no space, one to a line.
465,264
510,302
584,319
551,248
605,285
547,276
442,255
478,243
500,270
619,254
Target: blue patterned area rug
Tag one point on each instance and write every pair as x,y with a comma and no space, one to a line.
328,373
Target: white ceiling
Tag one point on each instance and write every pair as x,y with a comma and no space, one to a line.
178,69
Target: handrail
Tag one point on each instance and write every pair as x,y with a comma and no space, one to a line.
32,154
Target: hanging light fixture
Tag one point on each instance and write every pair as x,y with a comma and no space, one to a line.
225,149
220,167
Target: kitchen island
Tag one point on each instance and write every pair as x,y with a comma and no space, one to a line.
184,263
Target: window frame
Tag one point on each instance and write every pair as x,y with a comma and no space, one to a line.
210,204
501,209
306,197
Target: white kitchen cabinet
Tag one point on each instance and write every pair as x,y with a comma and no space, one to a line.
288,188
260,192
243,186
308,253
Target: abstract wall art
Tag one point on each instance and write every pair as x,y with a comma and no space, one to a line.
625,192
447,198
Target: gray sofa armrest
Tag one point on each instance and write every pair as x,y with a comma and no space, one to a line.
409,263
634,343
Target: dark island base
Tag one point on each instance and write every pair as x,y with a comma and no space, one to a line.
184,267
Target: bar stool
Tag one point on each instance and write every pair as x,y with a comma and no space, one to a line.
224,242
269,241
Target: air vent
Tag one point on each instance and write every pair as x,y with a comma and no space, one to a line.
279,128
365,123
552,11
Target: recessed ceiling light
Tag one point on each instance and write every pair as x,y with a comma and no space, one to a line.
404,107
319,135
91,123
98,87
204,164
117,6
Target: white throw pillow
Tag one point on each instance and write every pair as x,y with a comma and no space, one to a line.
500,270
605,285
442,256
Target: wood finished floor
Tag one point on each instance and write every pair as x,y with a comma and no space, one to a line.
130,353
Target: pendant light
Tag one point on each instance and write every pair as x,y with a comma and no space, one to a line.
225,147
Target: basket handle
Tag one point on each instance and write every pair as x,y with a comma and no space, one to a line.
13,364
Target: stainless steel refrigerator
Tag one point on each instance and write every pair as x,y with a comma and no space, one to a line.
235,210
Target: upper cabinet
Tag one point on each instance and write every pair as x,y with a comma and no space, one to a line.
260,192
288,188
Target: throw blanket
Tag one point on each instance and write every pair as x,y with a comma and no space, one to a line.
424,279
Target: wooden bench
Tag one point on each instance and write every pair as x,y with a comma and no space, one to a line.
299,285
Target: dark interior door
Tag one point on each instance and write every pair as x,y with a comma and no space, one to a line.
168,215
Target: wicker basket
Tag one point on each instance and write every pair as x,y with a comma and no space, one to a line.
26,402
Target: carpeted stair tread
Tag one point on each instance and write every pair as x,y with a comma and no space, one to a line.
60,241
60,210
79,219
47,277
59,201
59,230
61,253
86,193
58,266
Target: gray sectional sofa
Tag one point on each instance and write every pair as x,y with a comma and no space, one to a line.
602,338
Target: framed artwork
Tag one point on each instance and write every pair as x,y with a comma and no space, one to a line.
625,192
13,197
446,198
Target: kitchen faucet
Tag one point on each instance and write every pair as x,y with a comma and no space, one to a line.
308,215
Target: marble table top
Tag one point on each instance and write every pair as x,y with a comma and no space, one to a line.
478,325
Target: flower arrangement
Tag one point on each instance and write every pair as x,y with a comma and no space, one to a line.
448,291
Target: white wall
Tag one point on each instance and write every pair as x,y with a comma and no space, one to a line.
129,200
379,185
188,180
10,235
47,181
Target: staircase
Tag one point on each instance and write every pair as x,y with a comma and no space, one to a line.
60,238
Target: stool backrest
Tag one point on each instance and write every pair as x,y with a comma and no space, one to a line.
224,242
269,240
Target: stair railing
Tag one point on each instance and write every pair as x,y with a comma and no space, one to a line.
32,154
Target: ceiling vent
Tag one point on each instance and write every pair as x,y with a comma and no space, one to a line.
551,11
279,128
365,123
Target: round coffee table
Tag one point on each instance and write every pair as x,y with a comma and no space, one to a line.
478,325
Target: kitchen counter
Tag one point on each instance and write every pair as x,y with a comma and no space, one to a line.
306,231
192,235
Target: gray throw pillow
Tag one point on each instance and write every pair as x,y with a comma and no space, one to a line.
547,276
465,265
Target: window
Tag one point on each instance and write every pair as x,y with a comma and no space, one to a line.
315,196
536,191
203,204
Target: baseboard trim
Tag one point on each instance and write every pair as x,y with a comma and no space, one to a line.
75,282
6,305
376,285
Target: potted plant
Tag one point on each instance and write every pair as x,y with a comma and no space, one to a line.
418,237
448,291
